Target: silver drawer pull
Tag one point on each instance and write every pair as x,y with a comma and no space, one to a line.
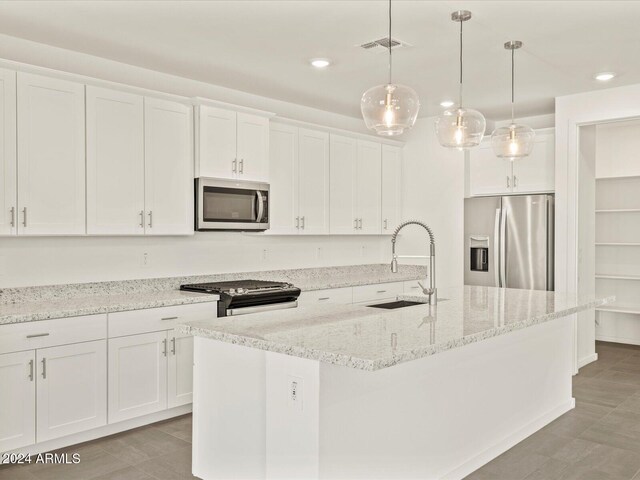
38,335
164,347
324,298
415,287
381,291
169,318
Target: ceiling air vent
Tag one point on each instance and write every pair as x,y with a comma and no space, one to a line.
382,45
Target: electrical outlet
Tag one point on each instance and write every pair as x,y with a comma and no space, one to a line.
265,254
319,253
145,259
3,265
295,392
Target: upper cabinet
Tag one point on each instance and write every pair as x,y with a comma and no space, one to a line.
51,156
232,144
368,187
8,170
490,175
299,166
391,187
139,165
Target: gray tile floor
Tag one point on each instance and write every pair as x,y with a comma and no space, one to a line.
598,440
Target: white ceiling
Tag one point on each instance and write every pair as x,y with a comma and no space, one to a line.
263,47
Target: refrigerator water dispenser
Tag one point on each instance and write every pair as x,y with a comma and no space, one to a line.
479,247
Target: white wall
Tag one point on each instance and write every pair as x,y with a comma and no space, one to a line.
433,183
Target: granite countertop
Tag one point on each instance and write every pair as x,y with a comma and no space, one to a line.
371,339
25,304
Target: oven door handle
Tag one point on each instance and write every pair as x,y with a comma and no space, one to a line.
260,200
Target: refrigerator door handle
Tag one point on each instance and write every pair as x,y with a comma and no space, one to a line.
503,248
496,249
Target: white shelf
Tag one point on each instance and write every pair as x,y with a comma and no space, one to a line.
617,277
620,210
613,308
606,244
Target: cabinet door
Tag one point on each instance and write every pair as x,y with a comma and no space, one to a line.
115,162
72,389
137,375
216,143
17,400
283,179
488,174
180,368
313,181
253,147
369,187
8,194
536,173
342,184
51,156
391,187
168,161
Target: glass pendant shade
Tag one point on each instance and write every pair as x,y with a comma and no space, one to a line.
513,142
390,109
460,127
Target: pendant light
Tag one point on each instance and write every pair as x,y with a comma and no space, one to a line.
390,109
514,141
460,127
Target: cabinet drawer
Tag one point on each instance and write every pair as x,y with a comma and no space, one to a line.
381,291
412,287
48,333
156,319
331,295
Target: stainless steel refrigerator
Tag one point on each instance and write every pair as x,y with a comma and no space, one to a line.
508,241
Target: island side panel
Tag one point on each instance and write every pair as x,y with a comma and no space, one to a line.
228,411
445,415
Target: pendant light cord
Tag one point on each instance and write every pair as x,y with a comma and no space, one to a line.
513,75
390,60
461,22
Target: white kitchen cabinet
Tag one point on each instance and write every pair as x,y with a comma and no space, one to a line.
342,184
252,147
368,186
180,369
490,175
8,162
168,167
115,162
17,400
51,156
137,375
71,389
231,144
313,181
391,187
339,296
377,292
283,179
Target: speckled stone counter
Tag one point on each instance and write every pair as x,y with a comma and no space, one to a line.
26,304
367,338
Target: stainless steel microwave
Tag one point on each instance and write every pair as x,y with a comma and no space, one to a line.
223,204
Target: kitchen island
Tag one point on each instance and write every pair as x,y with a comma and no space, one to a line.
344,392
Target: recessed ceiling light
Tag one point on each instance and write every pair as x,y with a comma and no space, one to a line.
446,104
604,76
320,62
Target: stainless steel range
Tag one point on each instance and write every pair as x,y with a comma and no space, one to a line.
238,297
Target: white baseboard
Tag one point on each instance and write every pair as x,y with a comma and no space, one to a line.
104,431
492,452
588,359
614,339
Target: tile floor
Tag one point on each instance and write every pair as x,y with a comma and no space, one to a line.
598,440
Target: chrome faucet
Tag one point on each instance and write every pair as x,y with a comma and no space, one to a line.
431,291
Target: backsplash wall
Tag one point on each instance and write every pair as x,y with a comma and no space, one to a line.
29,261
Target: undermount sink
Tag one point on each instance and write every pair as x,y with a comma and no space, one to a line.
396,304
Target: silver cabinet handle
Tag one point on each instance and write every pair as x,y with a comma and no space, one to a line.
515,182
141,218
44,368
164,347
323,298
150,219
508,182
381,291
242,166
360,221
173,345
169,318
24,217
234,165
297,222
385,223
302,223
34,335
355,223
31,370
13,216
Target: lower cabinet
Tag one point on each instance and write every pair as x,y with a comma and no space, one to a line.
17,400
149,372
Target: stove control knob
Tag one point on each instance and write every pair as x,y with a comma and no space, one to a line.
232,291
241,290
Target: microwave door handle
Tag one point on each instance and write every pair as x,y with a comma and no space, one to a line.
260,206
